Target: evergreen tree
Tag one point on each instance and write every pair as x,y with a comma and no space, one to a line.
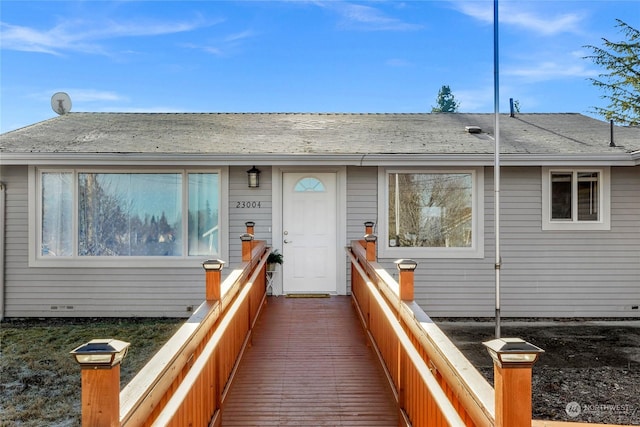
446,101
621,82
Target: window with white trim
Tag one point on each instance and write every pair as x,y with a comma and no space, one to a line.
431,213
575,199
101,215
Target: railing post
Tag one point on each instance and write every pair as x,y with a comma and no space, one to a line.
370,240
513,360
250,227
368,227
100,364
405,280
213,270
246,246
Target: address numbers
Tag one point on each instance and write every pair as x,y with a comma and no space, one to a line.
248,205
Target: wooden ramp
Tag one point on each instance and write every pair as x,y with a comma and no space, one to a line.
309,365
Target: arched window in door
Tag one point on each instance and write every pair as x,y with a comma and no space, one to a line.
309,184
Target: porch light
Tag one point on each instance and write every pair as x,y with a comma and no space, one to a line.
213,264
512,352
368,223
250,223
100,353
246,237
406,264
254,177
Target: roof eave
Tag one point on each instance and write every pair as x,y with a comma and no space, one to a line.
354,159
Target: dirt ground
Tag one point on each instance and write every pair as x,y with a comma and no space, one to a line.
590,370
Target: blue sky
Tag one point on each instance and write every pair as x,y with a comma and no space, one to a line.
299,56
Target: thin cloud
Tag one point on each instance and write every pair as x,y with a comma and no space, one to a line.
83,95
225,46
549,70
84,36
367,18
534,21
474,100
93,95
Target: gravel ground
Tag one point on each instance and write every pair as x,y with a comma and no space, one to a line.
590,371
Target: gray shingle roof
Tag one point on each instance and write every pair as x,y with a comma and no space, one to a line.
307,133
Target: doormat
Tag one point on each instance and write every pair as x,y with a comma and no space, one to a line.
308,295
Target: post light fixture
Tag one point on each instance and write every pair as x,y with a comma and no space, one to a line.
246,237
406,264
249,224
100,353
213,264
368,223
513,352
253,175
370,237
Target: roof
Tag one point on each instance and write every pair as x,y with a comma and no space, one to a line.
312,134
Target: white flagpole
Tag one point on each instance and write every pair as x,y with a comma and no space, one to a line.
496,168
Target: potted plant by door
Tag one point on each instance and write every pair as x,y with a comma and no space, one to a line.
273,260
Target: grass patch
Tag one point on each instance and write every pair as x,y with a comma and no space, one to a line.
40,381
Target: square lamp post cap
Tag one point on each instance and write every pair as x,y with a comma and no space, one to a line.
250,223
246,237
213,264
513,352
100,353
369,223
370,237
406,264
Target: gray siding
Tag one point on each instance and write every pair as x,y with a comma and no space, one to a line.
91,292
544,273
362,199
248,204
570,273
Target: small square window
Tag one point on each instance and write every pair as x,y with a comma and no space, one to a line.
576,199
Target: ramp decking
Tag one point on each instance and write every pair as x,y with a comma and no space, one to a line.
309,365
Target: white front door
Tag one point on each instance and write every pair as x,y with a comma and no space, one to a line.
309,232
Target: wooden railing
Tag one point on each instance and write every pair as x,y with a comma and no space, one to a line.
434,384
186,381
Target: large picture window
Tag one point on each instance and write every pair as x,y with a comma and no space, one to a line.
431,213
99,215
575,199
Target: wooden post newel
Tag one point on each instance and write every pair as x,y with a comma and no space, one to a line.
100,361
406,267
513,360
368,227
213,273
250,227
370,242
101,397
247,246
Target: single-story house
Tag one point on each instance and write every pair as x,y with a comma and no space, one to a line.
112,214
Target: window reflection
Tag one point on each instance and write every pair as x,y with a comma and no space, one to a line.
430,210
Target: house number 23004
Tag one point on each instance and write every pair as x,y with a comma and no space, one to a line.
247,205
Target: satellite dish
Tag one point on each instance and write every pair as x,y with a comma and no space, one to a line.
61,103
